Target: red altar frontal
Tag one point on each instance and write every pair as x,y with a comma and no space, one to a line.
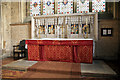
78,51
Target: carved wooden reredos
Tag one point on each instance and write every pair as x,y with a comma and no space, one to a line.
65,26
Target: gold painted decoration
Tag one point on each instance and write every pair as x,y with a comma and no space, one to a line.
41,29
51,29
85,31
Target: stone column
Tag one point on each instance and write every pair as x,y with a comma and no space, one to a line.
18,12
28,9
22,10
5,27
15,15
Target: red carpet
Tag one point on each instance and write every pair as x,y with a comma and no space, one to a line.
49,69
10,74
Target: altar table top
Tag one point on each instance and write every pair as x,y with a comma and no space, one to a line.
61,39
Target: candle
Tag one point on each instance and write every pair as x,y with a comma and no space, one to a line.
38,22
86,21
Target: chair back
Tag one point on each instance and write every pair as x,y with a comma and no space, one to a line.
22,45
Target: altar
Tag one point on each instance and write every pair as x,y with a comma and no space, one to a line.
63,37
64,50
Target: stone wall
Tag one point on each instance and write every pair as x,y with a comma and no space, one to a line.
119,10
0,45
5,26
11,12
119,31
18,12
19,32
107,47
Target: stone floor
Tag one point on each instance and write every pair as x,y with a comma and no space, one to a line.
21,65
50,69
7,60
98,68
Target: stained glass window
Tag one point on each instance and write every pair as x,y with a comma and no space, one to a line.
48,7
35,7
98,5
65,6
82,6
74,29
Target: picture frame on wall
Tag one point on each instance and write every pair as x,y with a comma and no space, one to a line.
106,31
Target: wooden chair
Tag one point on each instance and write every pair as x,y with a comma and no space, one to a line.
19,50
